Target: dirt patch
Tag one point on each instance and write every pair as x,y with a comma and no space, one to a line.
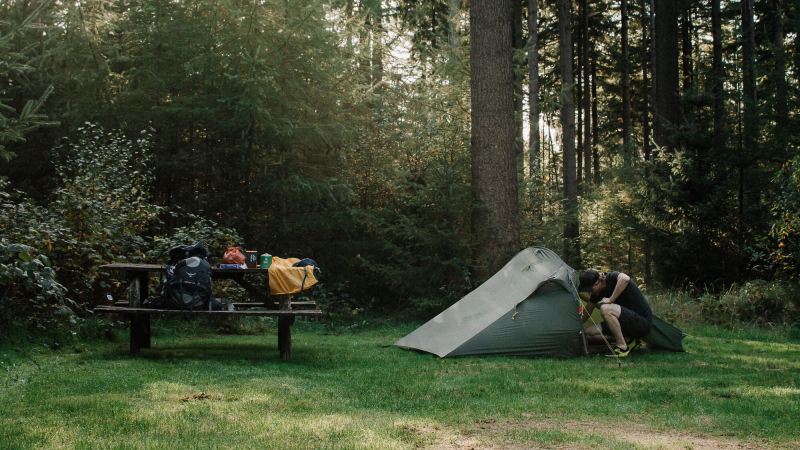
489,434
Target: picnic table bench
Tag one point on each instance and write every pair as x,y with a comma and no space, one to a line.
138,276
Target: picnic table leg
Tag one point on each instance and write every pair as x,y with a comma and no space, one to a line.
285,327
140,323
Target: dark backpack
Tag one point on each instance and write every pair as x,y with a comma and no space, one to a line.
188,280
305,262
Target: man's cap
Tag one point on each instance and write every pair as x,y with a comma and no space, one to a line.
588,279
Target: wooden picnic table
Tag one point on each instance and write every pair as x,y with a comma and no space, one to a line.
138,276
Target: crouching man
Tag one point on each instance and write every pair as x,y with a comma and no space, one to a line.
626,314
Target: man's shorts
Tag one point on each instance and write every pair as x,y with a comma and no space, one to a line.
633,325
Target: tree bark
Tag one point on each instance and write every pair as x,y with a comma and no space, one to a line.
626,88
595,125
377,44
751,97
495,221
781,105
587,119
570,255
719,73
518,44
533,90
646,144
666,100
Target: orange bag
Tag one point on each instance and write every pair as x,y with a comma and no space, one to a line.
233,255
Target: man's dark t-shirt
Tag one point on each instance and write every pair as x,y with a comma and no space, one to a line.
631,298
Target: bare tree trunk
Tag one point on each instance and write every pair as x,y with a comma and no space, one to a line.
518,44
781,105
626,88
719,73
454,30
646,143
579,99
377,44
533,89
595,124
570,254
587,121
494,173
750,94
666,100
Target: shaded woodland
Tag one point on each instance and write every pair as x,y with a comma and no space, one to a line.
410,147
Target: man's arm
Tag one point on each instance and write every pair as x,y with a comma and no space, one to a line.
587,311
622,283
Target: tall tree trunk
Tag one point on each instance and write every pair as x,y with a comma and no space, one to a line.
751,97
666,101
454,30
595,124
646,144
377,44
533,88
363,43
626,88
781,105
686,48
495,221
518,43
579,98
587,121
570,254
719,74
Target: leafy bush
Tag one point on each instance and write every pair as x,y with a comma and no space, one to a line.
778,251
760,303
28,288
101,213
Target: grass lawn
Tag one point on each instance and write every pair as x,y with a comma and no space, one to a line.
348,388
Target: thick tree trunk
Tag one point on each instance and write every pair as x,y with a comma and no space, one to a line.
626,88
377,43
595,124
751,98
518,43
587,121
666,101
533,89
570,254
646,143
494,173
719,73
535,160
781,105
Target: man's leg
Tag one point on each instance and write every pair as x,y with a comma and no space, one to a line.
594,334
610,313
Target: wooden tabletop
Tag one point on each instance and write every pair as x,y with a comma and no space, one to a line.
157,268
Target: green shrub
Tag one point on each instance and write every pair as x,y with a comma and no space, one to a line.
756,303
29,290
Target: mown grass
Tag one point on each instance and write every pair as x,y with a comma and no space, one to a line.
347,387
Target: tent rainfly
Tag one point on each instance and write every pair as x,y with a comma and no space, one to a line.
530,308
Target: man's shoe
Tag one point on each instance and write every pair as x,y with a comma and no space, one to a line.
617,352
635,345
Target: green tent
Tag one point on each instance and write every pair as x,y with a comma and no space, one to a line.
529,309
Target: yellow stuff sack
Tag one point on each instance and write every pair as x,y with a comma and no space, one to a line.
285,279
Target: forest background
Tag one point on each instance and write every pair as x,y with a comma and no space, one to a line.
655,138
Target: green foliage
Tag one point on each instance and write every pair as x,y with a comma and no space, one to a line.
422,247
755,303
779,251
29,290
15,63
